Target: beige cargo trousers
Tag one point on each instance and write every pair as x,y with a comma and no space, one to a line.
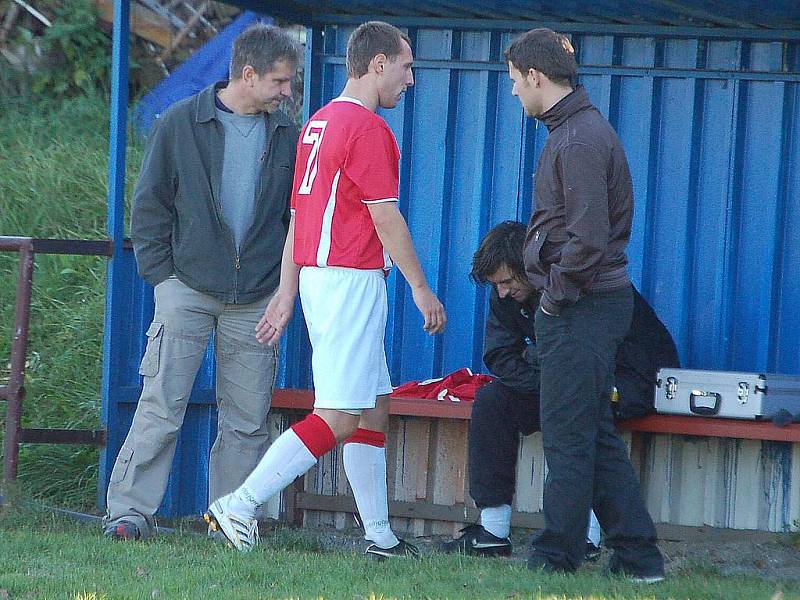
176,345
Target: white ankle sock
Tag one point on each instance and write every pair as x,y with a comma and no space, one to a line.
593,532
497,520
365,466
285,460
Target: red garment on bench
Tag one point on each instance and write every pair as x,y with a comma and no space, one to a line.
457,386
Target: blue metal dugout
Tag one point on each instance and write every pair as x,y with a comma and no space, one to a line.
705,96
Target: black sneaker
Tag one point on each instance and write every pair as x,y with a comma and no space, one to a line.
476,541
592,552
399,550
122,530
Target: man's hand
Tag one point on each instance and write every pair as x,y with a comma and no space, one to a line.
276,317
431,309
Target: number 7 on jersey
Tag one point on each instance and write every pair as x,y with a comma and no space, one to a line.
313,135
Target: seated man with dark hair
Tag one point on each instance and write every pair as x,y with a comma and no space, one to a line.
509,406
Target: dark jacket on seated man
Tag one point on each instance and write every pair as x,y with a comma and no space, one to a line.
509,352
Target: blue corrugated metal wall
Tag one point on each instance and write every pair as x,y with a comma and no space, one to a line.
710,128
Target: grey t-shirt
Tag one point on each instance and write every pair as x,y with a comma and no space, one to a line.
245,144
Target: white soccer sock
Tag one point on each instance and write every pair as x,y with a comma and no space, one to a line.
365,466
497,520
593,533
285,460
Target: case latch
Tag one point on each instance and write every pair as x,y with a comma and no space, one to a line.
743,392
672,388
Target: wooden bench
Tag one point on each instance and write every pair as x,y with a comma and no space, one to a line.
696,472
671,424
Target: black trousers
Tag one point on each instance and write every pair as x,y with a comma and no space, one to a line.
499,415
588,465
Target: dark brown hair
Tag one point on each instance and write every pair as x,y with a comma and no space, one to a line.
501,246
545,51
370,39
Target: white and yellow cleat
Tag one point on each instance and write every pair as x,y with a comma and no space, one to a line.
240,533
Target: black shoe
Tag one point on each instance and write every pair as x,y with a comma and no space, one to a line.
635,575
122,530
592,552
476,541
400,549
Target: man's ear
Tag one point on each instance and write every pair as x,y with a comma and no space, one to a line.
248,75
534,77
379,62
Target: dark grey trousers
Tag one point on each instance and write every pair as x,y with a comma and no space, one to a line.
588,464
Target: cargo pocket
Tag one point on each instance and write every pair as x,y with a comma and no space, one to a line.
152,355
121,466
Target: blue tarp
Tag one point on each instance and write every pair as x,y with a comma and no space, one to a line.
207,65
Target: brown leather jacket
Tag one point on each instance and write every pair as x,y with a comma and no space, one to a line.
583,207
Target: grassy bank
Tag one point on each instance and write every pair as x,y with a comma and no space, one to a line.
53,177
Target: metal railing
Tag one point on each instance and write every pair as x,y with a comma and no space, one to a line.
14,392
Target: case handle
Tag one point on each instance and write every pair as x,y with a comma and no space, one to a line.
704,410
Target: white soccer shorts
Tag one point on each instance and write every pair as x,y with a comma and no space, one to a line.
345,311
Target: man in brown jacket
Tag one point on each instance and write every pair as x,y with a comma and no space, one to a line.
575,257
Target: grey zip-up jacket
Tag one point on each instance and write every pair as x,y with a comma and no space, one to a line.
583,207
177,224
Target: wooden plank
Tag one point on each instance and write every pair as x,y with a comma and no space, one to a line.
419,407
708,427
746,486
185,30
635,450
413,510
274,507
394,461
421,493
63,436
794,487
685,533
657,477
530,474
410,468
436,512
144,23
714,505
448,462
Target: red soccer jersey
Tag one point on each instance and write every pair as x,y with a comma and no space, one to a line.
347,157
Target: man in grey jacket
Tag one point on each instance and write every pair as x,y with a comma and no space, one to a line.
574,256
209,221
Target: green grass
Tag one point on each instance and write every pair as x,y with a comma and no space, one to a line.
53,178
48,556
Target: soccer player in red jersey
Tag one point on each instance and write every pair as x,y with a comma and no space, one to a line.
346,232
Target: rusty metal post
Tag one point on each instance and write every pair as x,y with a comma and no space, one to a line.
15,391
